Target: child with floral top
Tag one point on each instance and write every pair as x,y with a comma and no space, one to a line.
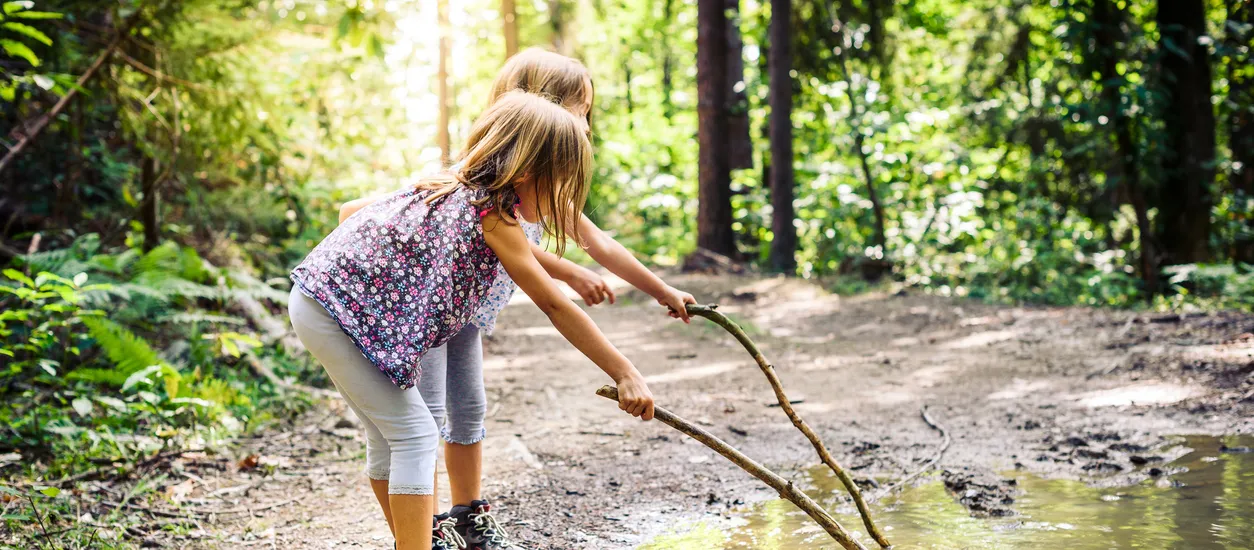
408,272
453,374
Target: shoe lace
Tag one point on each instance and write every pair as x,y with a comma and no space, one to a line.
450,539
486,524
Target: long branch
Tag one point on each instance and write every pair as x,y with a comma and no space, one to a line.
721,320
29,134
785,488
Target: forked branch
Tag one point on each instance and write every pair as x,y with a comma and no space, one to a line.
709,312
785,488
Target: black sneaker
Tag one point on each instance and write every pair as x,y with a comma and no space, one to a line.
479,529
444,535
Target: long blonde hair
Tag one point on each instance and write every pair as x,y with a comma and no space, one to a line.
525,137
563,79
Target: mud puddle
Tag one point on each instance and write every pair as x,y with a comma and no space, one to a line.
1203,500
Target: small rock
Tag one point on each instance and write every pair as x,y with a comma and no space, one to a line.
1143,460
1155,472
1076,442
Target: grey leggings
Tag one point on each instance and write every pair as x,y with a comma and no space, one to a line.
401,435
452,377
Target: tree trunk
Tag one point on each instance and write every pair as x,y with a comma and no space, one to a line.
1241,119
562,28
509,23
1108,37
784,243
668,108
150,206
442,136
714,213
740,145
1184,204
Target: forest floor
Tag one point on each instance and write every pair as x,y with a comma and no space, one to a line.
1058,392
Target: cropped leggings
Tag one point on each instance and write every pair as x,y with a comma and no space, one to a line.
452,387
401,435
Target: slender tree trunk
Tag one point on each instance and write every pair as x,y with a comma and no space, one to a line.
1184,205
784,243
1108,36
668,107
509,24
150,206
562,26
714,213
1241,119
442,136
740,145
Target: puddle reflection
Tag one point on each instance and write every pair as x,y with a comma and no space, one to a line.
1209,507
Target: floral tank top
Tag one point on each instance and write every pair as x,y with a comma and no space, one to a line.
503,287
402,276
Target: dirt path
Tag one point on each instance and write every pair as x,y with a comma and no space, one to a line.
1058,392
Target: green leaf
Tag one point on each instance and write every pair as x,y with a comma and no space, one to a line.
19,277
49,366
13,7
27,30
44,82
80,279
141,376
18,49
50,491
37,15
82,406
112,402
10,491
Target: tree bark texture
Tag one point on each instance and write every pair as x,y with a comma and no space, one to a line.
714,213
509,27
784,242
739,143
1185,199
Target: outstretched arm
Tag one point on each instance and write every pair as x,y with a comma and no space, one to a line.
616,258
590,286
511,247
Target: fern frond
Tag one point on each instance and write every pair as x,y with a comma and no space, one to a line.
128,352
203,317
106,377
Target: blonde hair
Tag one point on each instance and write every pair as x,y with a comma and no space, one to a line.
563,79
524,137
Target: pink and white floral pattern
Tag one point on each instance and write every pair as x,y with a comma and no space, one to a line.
402,276
503,287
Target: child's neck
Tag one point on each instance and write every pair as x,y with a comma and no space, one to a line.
528,205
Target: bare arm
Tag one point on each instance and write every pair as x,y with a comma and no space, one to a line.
590,286
511,246
351,207
615,257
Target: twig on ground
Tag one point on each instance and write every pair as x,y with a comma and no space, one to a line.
945,440
709,312
784,487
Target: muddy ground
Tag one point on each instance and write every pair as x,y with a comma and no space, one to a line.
1059,392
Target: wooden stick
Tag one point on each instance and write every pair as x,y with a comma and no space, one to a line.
721,320
785,488
945,440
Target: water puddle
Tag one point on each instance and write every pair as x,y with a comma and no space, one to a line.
1205,502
